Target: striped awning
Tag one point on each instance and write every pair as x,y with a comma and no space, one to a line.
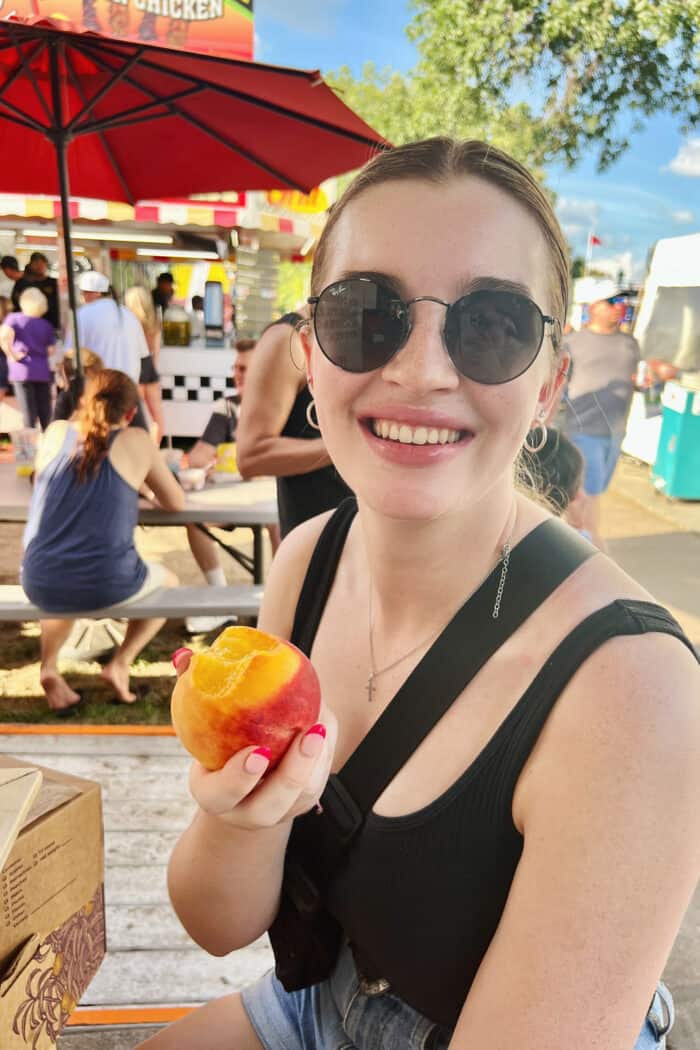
250,211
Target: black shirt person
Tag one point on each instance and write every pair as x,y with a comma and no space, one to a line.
163,291
36,275
274,435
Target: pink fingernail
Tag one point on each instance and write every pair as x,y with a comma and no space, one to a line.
312,741
258,761
178,653
318,728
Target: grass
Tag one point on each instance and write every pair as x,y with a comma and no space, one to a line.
152,679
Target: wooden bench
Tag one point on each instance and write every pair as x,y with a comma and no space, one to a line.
241,599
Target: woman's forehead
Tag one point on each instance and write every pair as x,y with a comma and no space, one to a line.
448,234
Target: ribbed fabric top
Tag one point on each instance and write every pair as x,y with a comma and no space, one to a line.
420,897
79,552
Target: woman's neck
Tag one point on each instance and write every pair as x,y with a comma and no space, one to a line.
421,572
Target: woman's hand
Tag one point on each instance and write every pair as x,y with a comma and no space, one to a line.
246,796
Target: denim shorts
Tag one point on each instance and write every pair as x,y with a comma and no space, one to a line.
600,456
338,1015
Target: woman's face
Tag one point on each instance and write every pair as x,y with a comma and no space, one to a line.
431,240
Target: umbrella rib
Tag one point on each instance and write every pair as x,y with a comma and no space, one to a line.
123,119
32,79
117,77
22,119
218,137
244,96
105,145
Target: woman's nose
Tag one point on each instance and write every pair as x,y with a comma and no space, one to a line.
423,363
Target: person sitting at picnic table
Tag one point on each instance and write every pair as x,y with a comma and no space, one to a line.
28,341
79,551
278,434
511,835
220,430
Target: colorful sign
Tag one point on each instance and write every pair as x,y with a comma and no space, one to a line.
221,26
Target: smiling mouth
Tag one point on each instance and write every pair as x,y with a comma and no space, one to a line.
390,430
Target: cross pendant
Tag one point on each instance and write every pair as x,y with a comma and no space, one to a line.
370,688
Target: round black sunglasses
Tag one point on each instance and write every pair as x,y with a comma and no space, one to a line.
491,335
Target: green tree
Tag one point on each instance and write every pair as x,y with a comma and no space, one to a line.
546,79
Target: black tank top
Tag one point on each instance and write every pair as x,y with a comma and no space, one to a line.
302,496
419,897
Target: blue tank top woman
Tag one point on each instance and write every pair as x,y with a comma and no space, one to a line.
79,551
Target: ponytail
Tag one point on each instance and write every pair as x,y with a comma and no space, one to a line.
110,397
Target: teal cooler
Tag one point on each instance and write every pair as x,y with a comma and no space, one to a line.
676,470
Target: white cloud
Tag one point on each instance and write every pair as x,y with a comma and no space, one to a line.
632,268
684,216
687,160
576,213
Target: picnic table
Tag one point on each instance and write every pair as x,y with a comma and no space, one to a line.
233,503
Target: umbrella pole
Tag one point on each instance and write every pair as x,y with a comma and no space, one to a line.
60,141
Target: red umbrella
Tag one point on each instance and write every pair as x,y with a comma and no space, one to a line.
131,121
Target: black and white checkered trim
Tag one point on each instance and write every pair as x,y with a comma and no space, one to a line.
194,388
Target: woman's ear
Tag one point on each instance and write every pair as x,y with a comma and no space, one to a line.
128,416
306,339
551,392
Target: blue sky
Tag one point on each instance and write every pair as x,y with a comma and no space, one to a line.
652,192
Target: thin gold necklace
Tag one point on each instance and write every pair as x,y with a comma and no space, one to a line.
376,672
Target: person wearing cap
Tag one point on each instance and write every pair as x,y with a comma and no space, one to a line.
598,397
111,330
36,275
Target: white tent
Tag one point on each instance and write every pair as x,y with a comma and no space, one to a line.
668,321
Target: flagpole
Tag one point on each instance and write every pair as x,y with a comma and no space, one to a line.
589,253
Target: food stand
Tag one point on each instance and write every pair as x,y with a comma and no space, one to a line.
248,234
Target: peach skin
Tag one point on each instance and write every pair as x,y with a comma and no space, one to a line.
248,688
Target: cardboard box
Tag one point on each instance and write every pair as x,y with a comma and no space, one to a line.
52,928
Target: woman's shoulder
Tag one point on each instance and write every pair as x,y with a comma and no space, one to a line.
286,577
135,440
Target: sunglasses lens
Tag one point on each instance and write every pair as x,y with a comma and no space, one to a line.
493,337
359,324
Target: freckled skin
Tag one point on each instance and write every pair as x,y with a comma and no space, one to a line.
260,709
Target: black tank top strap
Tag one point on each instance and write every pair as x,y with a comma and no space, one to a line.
320,575
619,618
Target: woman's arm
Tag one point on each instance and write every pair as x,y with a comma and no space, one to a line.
160,480
7,340
272,384
608,806
225,872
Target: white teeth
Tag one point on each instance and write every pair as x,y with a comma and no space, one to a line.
406,435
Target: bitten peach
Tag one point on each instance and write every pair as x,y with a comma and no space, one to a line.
247,688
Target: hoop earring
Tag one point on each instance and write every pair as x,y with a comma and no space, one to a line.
532,449
314,423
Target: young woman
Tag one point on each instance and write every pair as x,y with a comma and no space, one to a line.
519,881
27,340
79,552
140,302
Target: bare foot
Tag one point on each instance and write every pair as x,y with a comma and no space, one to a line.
117,674
59,694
